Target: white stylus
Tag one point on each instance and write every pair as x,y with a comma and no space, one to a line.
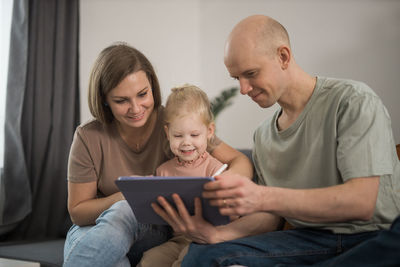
220,170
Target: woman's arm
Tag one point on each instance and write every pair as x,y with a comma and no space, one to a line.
83,205
236,160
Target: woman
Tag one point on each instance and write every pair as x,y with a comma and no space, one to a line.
126,137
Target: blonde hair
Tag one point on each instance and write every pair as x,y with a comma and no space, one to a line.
188,99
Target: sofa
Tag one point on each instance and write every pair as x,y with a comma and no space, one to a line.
49,253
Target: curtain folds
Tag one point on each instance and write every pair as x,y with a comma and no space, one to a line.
41,115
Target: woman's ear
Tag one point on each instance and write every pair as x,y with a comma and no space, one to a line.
210,130
166,131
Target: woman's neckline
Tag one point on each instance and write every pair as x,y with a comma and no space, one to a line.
137,141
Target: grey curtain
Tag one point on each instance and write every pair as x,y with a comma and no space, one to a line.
42,112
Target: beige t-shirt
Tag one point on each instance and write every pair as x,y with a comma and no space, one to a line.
98,153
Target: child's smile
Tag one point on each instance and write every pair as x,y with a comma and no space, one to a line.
188,137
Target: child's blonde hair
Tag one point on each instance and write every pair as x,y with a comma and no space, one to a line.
186,99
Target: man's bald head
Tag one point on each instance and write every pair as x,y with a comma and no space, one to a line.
260,32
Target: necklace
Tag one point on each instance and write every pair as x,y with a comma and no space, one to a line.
137,141
140,144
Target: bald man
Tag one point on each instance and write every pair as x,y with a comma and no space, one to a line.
326,160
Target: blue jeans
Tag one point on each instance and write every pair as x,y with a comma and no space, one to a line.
382,250
108,242
280,248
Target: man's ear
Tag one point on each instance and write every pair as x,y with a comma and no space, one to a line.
285,56
166,131
210,130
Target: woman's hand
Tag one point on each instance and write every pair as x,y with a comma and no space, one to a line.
194,227
234,194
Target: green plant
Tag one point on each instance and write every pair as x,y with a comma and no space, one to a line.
223,100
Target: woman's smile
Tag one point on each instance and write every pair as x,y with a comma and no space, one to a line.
136,117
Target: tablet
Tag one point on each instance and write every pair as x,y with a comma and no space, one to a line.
141,191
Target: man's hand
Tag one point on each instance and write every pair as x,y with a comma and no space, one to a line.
233,194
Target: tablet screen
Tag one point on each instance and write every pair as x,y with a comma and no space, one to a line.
141,191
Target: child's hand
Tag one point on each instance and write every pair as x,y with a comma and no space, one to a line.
233,217
193,227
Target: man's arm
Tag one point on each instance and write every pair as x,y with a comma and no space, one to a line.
252,224
353,200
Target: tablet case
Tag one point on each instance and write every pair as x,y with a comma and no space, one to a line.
141,191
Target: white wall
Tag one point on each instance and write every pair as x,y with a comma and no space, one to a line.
184,39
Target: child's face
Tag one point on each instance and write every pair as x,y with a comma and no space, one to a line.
188,136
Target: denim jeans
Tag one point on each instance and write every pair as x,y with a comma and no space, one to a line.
280,248
108,242
381,250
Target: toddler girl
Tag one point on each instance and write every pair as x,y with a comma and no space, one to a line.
189,127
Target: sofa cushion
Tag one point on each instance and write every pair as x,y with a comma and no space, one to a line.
47,253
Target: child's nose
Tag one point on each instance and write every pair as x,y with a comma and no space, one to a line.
186,140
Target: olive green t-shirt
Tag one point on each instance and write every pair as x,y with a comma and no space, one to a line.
344,132
98,153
